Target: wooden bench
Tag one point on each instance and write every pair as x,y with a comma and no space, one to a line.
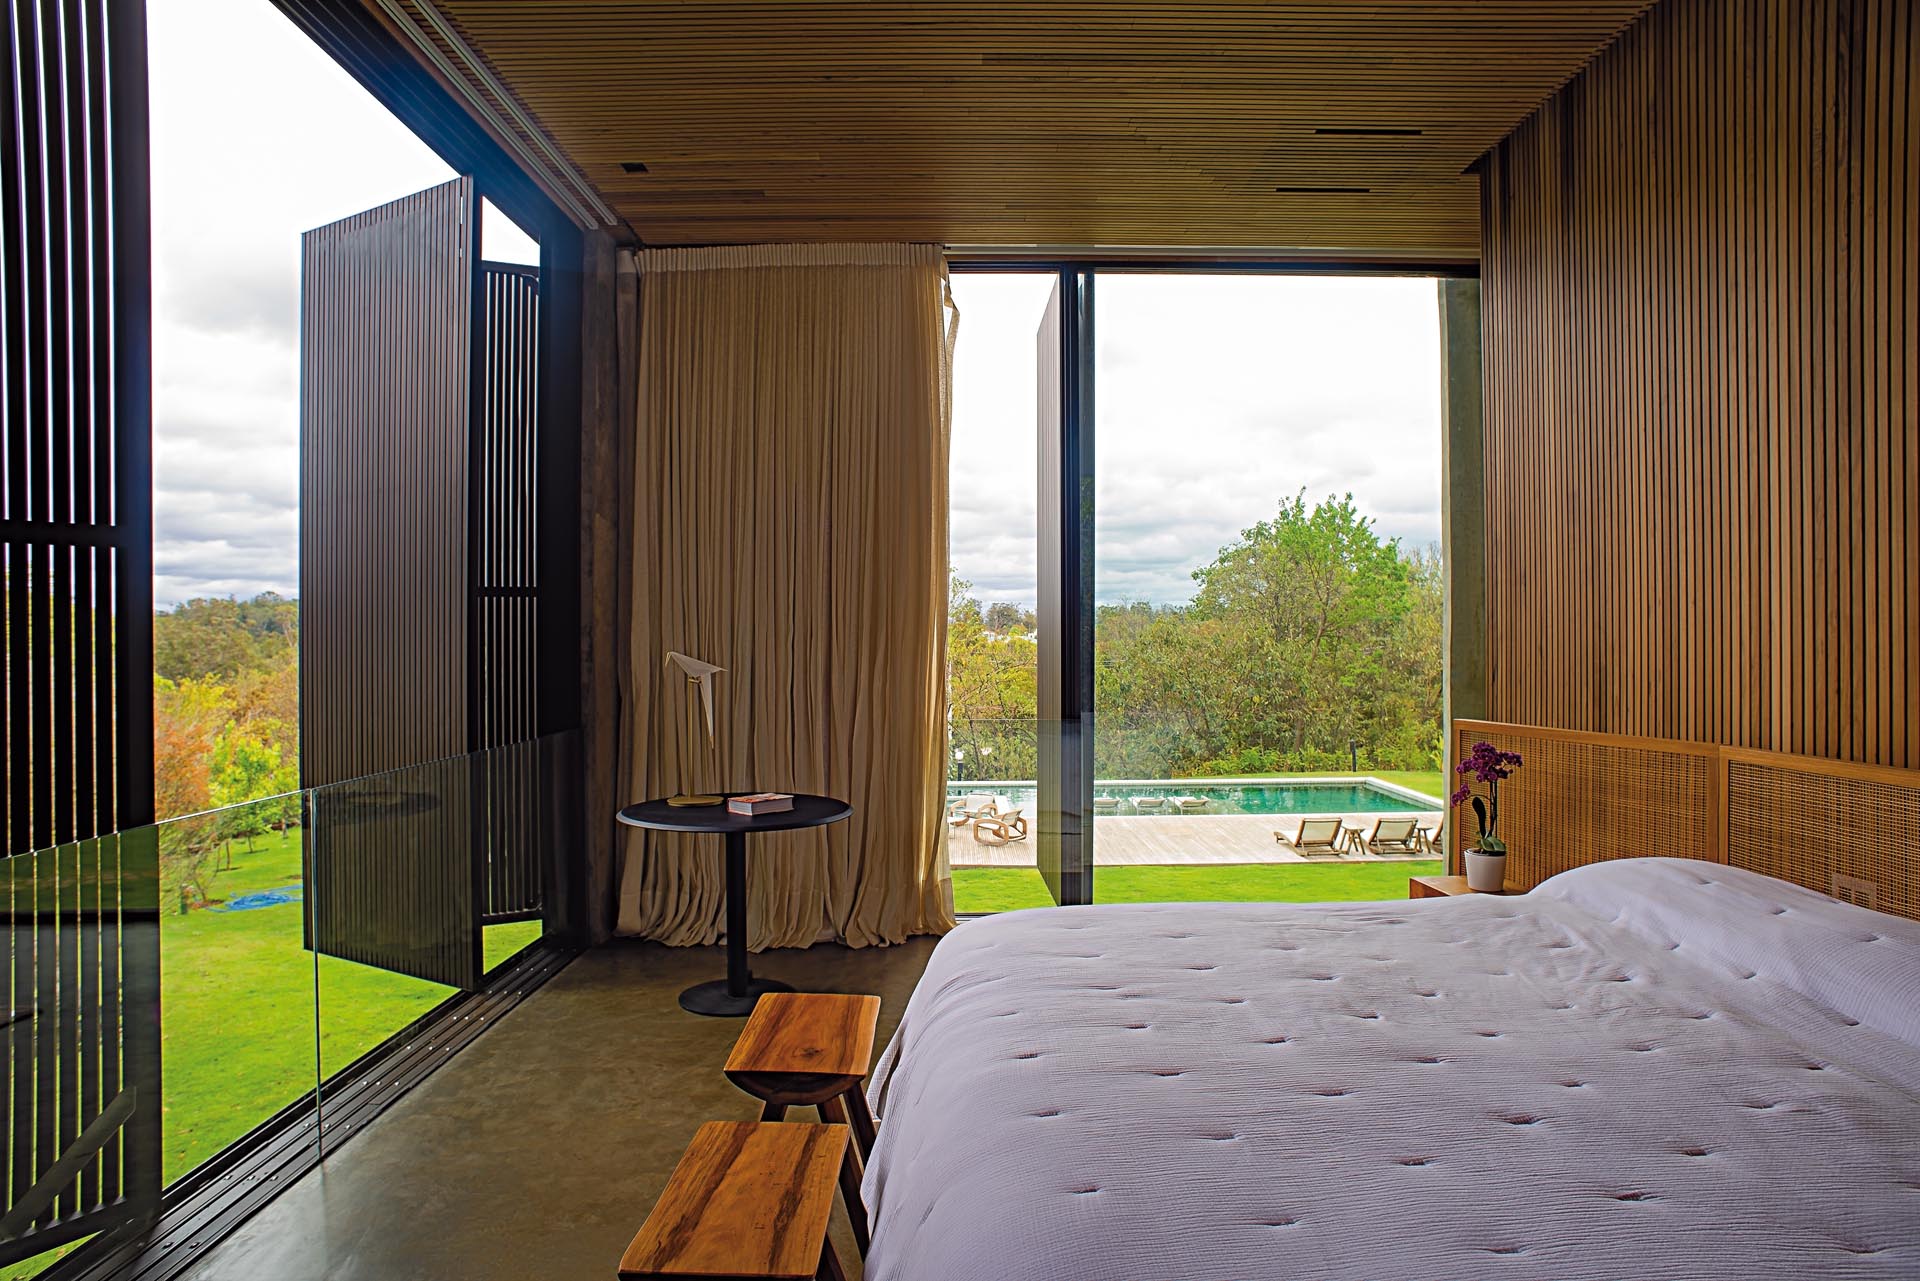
812,1049
749,1201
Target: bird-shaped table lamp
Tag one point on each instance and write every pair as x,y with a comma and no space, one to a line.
698,673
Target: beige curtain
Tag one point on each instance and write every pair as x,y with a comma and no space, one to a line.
789,522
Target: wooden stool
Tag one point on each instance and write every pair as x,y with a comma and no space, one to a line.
747,1200
812,1049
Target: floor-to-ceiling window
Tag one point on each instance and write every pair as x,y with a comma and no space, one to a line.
215,975
992,632
233,189
1266,605
234,192
1267,592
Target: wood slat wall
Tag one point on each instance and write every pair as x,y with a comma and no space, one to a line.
1702,313
1587,798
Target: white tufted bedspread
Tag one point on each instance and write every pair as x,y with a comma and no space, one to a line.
1653,1068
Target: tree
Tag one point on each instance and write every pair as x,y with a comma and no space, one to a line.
243,768
220,638
1317,596
1006,617
188,716
1307,633
226,730
992,693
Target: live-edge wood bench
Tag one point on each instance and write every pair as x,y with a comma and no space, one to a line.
749,1201
812,1049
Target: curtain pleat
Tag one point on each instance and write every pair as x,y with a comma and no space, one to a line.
789,519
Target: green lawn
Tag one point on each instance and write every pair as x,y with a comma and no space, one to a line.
237,1007
1427,782
1002,889
237,1012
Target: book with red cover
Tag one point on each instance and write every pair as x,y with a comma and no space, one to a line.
759,803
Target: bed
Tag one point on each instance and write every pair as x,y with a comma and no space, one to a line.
1646,1068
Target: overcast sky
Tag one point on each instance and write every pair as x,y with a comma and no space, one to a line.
258,136
1217,396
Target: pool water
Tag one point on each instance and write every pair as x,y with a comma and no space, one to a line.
1275,797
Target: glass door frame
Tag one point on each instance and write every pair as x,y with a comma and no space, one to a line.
1065,545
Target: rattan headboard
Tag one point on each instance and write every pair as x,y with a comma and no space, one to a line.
1582,798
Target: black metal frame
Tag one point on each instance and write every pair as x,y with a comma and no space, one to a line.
1075,276
558,689
82,1132
504,587
1064,771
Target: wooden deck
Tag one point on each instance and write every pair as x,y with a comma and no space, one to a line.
1163,839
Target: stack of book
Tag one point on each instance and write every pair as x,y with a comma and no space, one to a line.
759,803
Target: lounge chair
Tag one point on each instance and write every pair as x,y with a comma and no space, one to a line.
1316,836
1430,837
1395,836
968,808
998,829
1149,804
1105,804
1190,804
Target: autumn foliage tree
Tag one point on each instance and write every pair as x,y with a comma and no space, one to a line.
226,729
188,717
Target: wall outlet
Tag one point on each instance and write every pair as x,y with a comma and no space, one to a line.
1852,889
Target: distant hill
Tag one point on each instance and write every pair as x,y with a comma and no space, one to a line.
221,638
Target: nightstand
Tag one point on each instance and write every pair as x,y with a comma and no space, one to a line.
1448,886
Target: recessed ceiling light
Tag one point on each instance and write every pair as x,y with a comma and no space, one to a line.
1323,191
632,166
1366,131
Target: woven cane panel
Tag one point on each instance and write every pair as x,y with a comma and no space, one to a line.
1802,823
1586,800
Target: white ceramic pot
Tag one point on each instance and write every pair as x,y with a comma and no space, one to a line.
1486,872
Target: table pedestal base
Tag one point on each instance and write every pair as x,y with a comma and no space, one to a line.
714,998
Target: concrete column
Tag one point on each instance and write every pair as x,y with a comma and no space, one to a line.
1463,509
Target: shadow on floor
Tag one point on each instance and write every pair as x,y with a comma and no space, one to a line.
537,1152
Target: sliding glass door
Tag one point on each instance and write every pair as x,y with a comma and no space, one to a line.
993,626
1267,602
1206,664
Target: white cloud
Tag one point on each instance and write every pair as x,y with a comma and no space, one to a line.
258,136
1216,398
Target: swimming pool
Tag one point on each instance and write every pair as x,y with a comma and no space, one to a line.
1227,796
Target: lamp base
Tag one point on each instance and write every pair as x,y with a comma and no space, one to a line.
683,801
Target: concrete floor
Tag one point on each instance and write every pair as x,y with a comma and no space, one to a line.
537,1152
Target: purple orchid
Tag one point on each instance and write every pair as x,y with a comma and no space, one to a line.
1487,764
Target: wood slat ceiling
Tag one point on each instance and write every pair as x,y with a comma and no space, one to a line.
1101,124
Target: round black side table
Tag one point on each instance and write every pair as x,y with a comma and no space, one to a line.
734,995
